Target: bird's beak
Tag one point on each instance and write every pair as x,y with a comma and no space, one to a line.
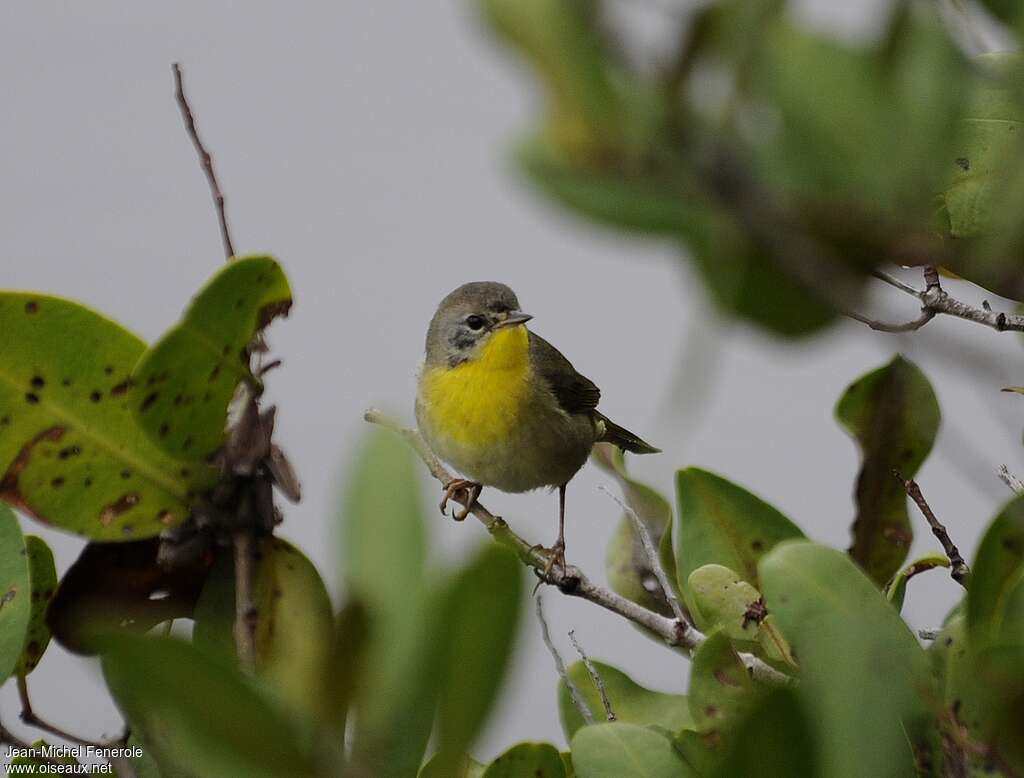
514,318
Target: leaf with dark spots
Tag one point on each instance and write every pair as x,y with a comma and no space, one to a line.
60,457
719,522
15,588
720,688
43,583
197,357
295,628
116,586
893,415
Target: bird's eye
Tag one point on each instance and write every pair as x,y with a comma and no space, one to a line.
475,322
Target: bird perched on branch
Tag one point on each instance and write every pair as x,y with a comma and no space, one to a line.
503,406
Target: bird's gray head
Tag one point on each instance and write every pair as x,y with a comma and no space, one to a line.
467,318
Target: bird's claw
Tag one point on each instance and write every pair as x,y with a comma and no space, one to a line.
451,490
556,556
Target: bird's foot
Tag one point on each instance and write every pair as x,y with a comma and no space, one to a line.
556,557
461,490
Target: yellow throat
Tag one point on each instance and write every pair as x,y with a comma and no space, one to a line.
479,402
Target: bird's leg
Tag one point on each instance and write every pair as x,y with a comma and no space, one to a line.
451,489
558,549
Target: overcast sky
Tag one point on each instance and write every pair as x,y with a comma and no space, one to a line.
365,145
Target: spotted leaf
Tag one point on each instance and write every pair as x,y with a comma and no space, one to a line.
43,582
893,415
15,603
70,453
187,379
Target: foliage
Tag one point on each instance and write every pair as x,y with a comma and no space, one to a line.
818,161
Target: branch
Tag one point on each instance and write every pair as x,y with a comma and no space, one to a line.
594,676
246,615
958,569
29,717
1008,478
652,556
574,692
570,580
935,300
205,160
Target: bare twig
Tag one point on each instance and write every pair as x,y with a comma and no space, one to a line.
652,556
594,676
881,326
569,579
574,692
958,569
246,614
29,717
928,634
935,300
204,159
1008,478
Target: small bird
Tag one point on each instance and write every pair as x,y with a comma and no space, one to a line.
503,406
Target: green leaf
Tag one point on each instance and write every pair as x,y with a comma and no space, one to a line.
720,687
620,750
775,739
632,703
561,39
995,600
347,659
203,710
896,589
722,523
628,568
439,767
723,600
744,278
70,452
43,582
186,380
865,126
532,759
664,203
295,627
384,547
15,593
854,650
893,415
488,591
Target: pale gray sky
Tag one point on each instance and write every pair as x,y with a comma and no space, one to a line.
364,144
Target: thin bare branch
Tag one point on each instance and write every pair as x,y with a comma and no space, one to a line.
569,579
29,717
928,634
881,326
1008,478
958,568
246,615
595,676
935,300
652,556
205,160
574,692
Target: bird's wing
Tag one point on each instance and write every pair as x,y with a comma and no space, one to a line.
575,393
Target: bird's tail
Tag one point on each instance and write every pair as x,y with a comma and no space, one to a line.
623,438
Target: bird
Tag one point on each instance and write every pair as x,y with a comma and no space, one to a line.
504,407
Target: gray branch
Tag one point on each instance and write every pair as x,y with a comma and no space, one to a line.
574,692
594,676
569,579
1008,478
934,301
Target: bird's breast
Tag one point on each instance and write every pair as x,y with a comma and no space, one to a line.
480,403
